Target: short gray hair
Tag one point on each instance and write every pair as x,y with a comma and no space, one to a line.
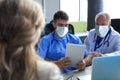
103,14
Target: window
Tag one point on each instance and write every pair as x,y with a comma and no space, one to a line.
76,9
77,12
112,8
71,7
83,10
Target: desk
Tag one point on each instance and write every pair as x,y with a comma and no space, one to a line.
87,71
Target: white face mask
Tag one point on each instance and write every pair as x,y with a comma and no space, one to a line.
61,31
101,31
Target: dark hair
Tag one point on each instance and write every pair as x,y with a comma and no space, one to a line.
60,15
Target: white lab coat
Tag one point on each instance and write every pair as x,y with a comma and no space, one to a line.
111,50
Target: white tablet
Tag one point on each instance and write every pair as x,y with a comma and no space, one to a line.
75,52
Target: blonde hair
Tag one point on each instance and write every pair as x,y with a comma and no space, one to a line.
20,25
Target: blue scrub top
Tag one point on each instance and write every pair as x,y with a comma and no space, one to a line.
53,48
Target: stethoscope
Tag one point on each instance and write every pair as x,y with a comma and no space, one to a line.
104,41
54,39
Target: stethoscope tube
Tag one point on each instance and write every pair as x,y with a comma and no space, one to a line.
105,40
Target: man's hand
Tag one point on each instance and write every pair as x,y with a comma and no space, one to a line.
96,54
90,56
81,65
63,63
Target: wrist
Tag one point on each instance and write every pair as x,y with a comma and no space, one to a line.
88,62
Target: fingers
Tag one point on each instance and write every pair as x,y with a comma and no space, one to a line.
64,62
95,54
88,61
90,56
81,65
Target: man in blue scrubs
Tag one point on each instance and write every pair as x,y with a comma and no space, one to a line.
52,47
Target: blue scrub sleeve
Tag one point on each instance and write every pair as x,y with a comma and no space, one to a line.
79,41
42,48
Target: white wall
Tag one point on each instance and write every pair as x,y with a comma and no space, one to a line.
51,7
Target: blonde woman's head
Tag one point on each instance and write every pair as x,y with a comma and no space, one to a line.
21,22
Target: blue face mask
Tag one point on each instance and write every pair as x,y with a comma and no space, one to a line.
61,31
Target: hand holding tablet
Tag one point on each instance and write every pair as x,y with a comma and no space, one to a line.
75,52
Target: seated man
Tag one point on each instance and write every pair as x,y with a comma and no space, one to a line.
50,28
103,40
52,47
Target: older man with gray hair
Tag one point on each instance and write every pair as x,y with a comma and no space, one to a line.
103,40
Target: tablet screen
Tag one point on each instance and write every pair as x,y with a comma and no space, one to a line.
75,52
